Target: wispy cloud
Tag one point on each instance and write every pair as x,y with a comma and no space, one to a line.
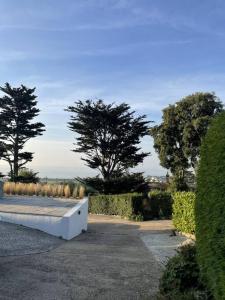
12,56
108,15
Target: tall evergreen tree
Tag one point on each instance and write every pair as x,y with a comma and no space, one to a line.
17,111
109,136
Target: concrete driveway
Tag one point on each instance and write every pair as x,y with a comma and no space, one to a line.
110,261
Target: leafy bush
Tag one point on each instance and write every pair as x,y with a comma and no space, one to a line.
183,211
27,176
119,185
181,278
160,205
124,205
210,208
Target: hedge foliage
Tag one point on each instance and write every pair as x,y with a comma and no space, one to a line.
124,205
181,278
133,205
183,211
210,208
160,205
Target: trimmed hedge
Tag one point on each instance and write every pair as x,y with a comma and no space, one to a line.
133,205
124,205
183,211
160,205
210,208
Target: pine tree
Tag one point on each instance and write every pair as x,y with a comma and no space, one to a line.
17,110
109,136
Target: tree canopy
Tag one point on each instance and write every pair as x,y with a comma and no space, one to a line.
17,110
178,138
109,135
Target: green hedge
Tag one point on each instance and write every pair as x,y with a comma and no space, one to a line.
183,211
160,205
133,205
124,205
210,208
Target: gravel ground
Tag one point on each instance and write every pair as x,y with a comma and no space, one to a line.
164,245
20,240
114,259
109,261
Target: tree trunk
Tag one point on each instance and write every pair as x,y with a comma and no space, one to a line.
15,162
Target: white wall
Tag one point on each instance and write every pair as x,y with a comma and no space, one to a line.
67,226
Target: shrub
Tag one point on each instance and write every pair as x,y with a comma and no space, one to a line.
81,191
30,189
19,189
27,176
38,189
75,192
54,190
12,188
183,211
6,187
67,192
160,205
210,208
181,277
124,205
59,190
49,190
119,185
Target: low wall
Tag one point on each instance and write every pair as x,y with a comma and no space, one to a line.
68,226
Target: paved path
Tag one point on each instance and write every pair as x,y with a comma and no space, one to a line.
47,206
110,261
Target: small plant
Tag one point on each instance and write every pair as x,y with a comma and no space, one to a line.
38,189
19,189
81,192
59,190
67,192
75,192
12,188
136,218
31,189
6,187
181,278
48,190
54,190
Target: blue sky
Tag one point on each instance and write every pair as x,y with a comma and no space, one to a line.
148,53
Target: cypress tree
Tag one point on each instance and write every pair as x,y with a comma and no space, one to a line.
17,111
